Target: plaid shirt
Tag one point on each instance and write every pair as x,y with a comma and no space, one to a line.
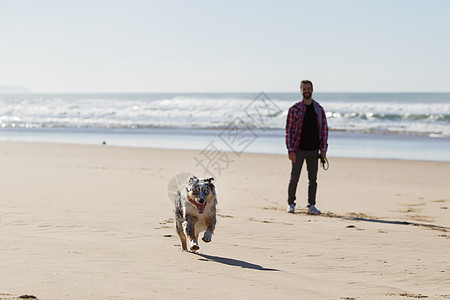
294,123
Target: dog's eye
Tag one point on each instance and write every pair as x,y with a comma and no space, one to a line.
206,191
195,190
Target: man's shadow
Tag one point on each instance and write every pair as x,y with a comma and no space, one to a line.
233,262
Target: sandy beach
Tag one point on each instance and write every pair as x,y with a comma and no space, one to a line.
95,222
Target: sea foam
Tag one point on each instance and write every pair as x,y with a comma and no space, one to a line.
395,113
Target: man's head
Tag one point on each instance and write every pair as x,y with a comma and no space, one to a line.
306,88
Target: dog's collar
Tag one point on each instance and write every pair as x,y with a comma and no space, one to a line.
200,207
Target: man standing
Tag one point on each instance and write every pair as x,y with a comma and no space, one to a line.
306,134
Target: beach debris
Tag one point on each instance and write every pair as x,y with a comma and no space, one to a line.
353,226
27,297
418,296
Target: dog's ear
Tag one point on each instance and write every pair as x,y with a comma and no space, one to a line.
210,180
193,179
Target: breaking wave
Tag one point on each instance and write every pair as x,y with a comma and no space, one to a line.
361,112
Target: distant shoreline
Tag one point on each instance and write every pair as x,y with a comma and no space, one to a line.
25,90
6,89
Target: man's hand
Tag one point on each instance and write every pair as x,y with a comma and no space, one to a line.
292,157
323,154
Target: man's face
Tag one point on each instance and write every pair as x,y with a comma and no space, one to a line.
306,90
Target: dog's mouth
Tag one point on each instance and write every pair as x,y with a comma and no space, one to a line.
200,207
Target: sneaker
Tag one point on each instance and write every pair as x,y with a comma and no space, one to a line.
312,210
291,209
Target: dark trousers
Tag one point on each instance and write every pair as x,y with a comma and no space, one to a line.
312,165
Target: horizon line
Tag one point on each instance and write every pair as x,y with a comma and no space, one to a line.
230,92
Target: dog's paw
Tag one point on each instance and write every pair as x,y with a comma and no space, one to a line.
207,236
193,246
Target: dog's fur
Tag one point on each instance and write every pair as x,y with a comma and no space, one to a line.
195,211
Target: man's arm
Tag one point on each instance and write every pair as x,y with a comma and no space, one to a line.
324,135
290,131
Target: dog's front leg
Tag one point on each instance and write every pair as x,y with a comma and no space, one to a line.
189,230
207,236
209,231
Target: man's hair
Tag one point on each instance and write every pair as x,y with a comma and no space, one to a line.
306,82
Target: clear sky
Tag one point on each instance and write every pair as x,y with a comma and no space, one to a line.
225,46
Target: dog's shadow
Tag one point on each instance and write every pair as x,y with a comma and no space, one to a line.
233,262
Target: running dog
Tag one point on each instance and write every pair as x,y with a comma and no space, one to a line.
195,211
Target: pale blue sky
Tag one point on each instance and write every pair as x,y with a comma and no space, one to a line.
225,46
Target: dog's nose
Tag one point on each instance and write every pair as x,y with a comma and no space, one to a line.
201,200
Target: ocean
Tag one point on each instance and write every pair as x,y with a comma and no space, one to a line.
369,125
